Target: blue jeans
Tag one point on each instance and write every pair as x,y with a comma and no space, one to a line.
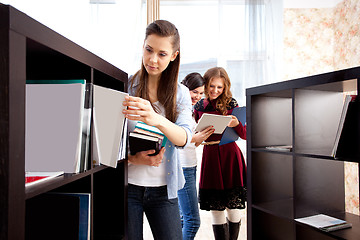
188,203
162,213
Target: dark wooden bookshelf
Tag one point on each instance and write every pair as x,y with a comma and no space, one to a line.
307,180
30,50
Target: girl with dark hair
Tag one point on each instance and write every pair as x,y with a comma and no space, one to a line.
157,99
188,200
223,171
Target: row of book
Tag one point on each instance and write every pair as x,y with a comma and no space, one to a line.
59,117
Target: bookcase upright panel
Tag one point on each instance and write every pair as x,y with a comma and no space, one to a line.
30,50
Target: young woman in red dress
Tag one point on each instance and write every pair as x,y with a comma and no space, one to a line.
222,185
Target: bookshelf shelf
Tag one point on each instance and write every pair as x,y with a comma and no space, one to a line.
30,50
282,186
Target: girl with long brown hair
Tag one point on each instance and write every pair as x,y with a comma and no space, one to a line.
157,99
223,170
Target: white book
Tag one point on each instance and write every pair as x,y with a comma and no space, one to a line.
53,126
324,222
219,122
348,99
108,125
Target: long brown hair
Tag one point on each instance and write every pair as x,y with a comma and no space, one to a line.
224,99
167,88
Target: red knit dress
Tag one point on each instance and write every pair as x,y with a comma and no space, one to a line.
223,169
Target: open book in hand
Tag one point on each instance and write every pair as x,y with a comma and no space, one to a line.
219,122
230,134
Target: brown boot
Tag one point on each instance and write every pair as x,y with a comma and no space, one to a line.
221,231
234,229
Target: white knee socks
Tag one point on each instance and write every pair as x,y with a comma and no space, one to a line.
233,215
218,217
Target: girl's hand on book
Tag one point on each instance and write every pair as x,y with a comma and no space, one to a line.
143,158
234,121
201,136
139,109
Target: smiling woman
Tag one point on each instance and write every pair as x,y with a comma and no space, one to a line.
223,169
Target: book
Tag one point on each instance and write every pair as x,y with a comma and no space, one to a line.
219,122
32,178
348,115
324,222
141,142
83,164
109,122
229,134
53,126
143,128
281,148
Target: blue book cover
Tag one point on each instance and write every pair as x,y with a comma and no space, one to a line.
151,129
229,134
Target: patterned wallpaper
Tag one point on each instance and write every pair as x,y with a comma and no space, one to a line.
347,34
323,40
308,42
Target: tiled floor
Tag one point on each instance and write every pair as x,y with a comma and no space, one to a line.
205,232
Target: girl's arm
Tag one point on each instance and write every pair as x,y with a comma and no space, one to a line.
141,110
199,137
238,127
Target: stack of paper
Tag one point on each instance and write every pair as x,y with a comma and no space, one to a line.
324,222
109,124
53,129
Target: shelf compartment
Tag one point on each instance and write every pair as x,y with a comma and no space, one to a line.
45,63
317,116
274,112
110,208
319,186
273,175
268,227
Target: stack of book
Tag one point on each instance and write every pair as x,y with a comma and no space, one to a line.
145,137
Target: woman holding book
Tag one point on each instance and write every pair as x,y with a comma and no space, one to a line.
188,200
223,171
157,99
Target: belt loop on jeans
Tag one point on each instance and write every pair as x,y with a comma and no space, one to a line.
210,143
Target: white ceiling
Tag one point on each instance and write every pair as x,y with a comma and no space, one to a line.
311,3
